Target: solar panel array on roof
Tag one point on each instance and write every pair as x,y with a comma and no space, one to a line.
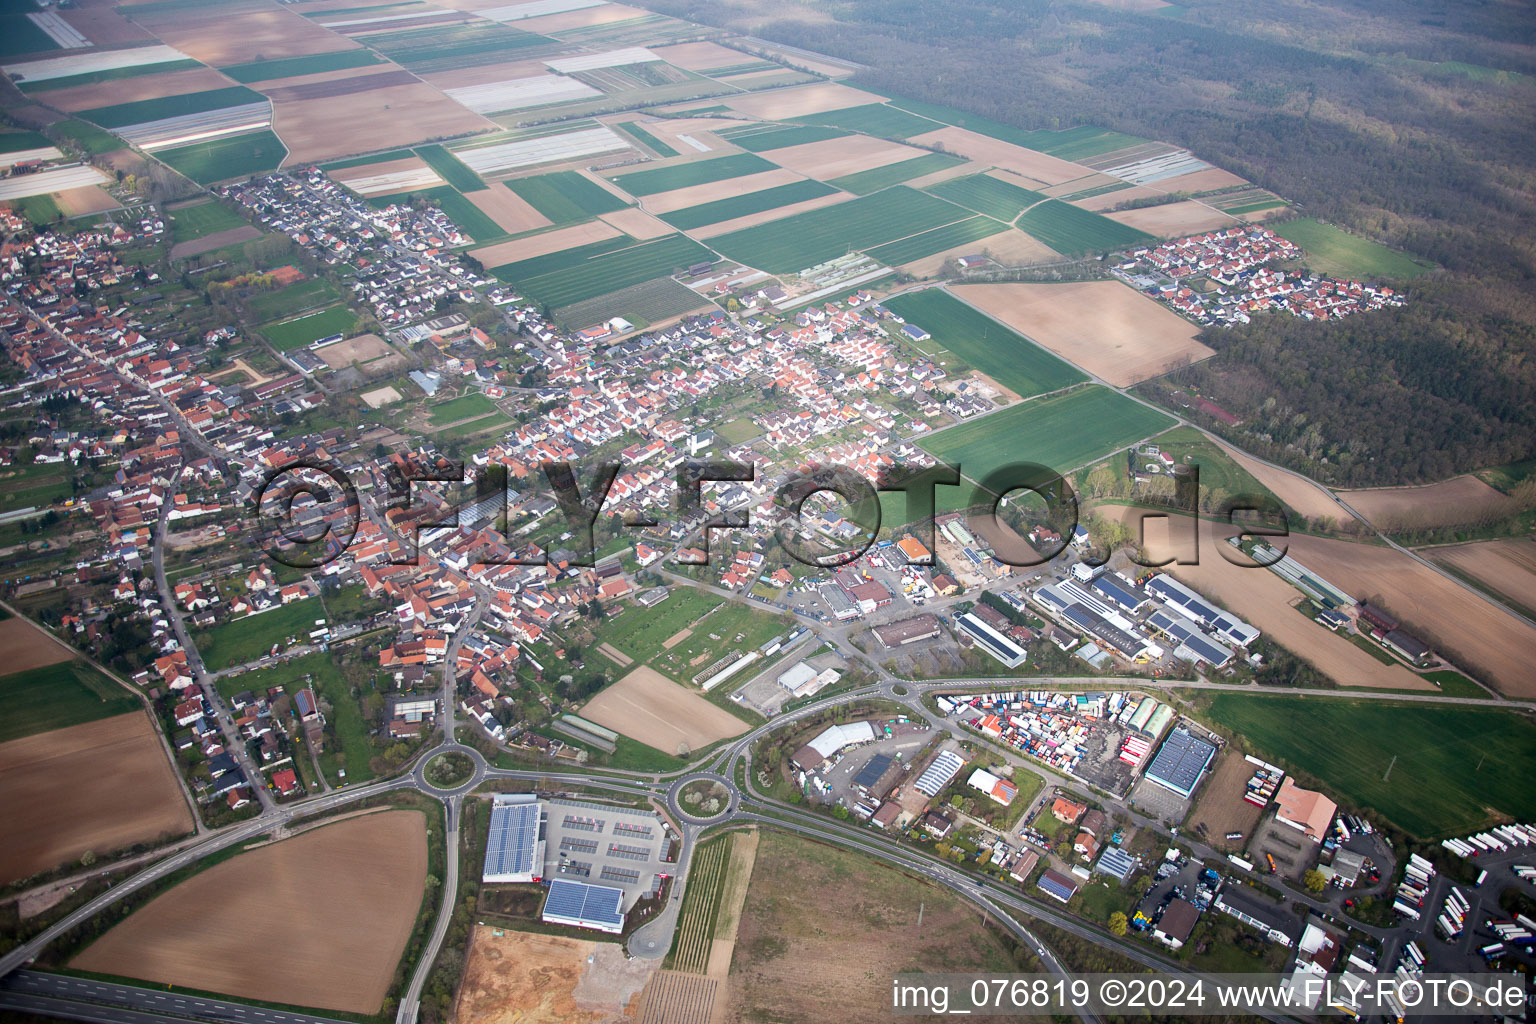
512,848
938,774
871,772
1118,591
1116,862
1181,761
1193,645
584,906
1191,603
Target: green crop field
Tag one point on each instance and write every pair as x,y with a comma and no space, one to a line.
290,67
139,111
614,271
451,201
995,349
474,404
56,696
643,304
87,136
37,209
1070,230
765,137
20,34
700,172
1336,252
640,633
566,196
862,183
450,169
986,194
807,239
1457,770
690,217
1080,143
14,142
450,47
40,484
294,298
650,141
110,75
203,219
874,119
207,162
247,638
292,334
1061,432
565,259
926,243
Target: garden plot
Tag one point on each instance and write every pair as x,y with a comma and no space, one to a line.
389,177
545,149
521,93
1045,169
51,68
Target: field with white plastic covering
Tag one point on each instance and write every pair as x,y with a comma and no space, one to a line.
547,149
23,155
408,180
520,93
201,127
57,180
90,63
537,9
610,59
59,30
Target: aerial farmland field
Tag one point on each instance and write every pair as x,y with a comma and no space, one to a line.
1001,353
565,196
203,219
986,194
57,695
690,217
698,172
804,240
1068,229
207,162
1061,432
915,247
862,183
878,119
1349,745
451,170
141,111
291,67
612,271
1333,251
763,138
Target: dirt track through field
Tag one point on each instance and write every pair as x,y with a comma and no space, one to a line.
1265,600
647,706
319,920
99,786
1107,328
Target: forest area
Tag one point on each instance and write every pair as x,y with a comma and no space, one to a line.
1407,122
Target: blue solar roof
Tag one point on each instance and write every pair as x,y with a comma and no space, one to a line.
588,906
1180,761
1116,862
513,840
1119,593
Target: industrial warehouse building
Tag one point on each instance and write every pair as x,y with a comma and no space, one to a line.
908,631
990,640
998,789
514,848
939,772
1181,762
580,905
1305,810
1074,606
1224,625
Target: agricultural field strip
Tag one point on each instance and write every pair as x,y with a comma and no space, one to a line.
612,271
521,93
292,67
763,138
699,172
690,217
231,157
487,160
936,240
565,196
139,112
537,9
92,63
203,127
412,179
988,195
1068,229
43,182
876,178
450,168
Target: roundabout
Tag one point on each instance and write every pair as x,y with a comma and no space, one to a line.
703,797
450,769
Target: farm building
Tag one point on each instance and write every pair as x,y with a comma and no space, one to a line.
938,773
908,631
514,849
580,905
998,789
1305,810
1057,886
1181,762
886,816
991,641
